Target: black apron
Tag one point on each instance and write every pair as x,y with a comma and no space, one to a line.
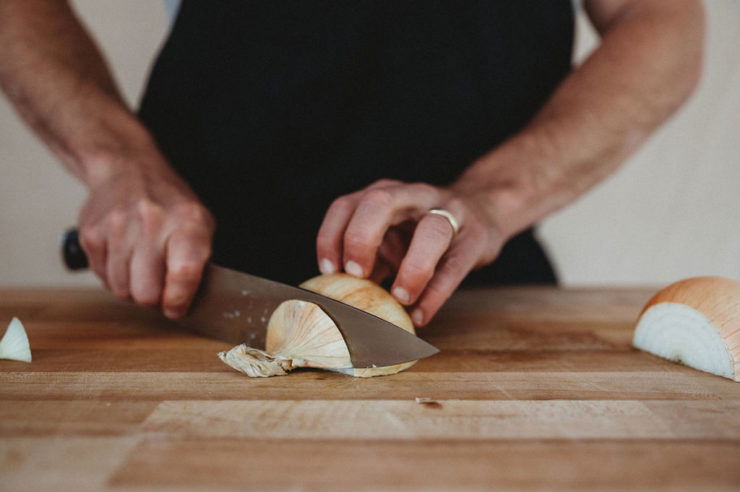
272,109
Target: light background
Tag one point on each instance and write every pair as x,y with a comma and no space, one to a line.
672,211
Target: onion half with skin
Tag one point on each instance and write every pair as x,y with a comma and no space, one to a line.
301,334
695,322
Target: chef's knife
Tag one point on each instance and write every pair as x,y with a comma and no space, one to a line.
235,307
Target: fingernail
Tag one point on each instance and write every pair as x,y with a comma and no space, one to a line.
401,294
417,317
353,268
327,266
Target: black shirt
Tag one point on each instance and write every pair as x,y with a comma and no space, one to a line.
272,109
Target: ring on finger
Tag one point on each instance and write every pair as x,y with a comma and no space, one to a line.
450,219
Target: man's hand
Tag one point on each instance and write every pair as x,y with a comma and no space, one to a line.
147,238
646,66
386,228
146,234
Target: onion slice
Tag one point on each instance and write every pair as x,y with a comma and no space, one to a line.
695,322
14,344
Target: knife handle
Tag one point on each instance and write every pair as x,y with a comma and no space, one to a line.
72,253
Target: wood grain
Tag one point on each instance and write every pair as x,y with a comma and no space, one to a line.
534,388
444,464
446,419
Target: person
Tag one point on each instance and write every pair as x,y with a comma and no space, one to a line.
412,142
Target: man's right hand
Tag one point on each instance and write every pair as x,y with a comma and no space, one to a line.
148,237
146,234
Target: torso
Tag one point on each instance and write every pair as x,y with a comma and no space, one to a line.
273,109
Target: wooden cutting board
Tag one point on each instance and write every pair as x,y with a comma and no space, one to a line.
534,388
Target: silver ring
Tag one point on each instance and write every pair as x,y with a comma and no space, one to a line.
450,218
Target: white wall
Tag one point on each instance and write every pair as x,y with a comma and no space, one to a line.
673,211
38,198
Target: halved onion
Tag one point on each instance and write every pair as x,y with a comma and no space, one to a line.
301,334
695,322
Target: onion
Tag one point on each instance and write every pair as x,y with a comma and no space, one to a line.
14,345
695,322
301,334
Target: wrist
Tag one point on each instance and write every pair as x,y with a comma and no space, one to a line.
112,143
501,206
101,165
518,183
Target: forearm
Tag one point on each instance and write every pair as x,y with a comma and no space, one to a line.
54,75
146,234
646,66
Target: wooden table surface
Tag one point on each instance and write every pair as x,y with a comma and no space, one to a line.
534,388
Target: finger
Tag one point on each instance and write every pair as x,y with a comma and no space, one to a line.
431,240
147,260
453,268
378,209
186,255
331,232
94,245
147,273
119,248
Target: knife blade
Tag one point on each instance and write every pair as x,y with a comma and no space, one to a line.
235,307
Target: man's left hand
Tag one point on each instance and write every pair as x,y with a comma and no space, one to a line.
386,228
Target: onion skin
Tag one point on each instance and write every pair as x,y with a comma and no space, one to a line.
717,299
713,296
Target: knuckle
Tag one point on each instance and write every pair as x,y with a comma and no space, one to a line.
356,241
189,253
341,203
417,271
424,188
193,213
185,272
436,294
91,238
117,221
455,265
150,214
378,197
